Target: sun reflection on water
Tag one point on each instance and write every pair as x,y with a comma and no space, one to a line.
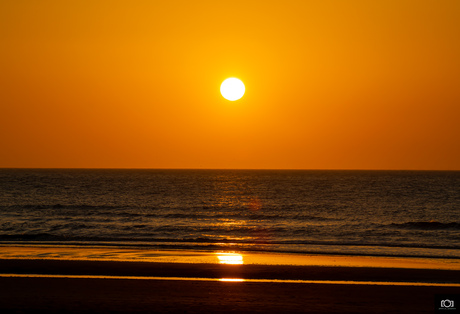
230,258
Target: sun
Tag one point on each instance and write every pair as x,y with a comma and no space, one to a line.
232,89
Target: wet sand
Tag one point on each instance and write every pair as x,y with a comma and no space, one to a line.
103,286
220,271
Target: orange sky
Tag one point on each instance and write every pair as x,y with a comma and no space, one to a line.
135,84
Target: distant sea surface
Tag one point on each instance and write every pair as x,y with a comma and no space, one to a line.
386,213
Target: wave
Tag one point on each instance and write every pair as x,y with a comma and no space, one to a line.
58,206
240,215
427,225
215,244
158,212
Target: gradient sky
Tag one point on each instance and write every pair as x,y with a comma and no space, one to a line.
135,84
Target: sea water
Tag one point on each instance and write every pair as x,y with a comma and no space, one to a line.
388,213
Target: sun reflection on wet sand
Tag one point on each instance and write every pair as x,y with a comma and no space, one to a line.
230,258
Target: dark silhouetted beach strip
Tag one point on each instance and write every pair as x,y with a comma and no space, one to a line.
376,294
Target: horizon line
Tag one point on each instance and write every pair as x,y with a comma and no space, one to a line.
249,169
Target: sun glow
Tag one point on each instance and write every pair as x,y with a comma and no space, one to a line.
232,89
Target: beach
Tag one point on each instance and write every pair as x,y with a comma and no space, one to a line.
230,284
224,241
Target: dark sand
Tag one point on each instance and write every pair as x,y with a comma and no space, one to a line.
52,295
98,295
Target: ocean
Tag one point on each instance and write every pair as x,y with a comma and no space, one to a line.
374,213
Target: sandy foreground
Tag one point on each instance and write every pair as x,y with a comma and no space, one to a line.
240,283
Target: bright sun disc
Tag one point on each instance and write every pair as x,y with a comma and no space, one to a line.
232,89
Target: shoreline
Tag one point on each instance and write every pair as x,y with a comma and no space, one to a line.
110,262
374,250
87,253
